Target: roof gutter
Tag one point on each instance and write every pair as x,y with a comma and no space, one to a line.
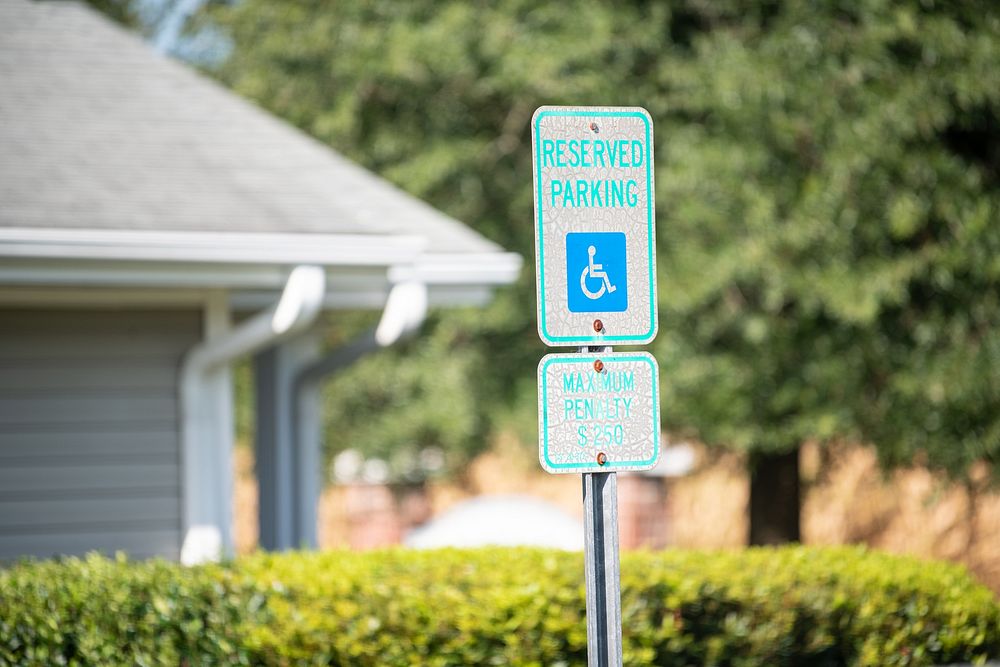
205,446
187,247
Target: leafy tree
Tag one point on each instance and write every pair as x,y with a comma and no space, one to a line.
828,190
831,197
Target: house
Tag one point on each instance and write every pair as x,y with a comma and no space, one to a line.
154,228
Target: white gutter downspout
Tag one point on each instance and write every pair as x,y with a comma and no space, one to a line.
206,435
403,314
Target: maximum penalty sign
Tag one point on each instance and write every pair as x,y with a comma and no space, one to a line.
598,412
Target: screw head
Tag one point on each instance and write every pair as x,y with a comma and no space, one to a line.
598,365
598,326
602,458
594,128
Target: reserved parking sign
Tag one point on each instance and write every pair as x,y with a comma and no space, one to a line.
594,225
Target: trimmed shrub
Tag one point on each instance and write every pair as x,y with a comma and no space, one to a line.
97,611
787,606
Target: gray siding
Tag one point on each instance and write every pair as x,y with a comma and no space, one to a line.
89,431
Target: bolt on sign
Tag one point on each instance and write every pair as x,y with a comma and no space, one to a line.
594,225
598,412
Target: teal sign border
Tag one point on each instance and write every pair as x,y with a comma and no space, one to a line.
607,340
611,465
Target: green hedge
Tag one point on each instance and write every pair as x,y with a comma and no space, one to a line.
788,606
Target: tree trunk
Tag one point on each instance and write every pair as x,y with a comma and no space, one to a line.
774,498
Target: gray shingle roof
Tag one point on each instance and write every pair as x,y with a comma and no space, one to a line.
99,132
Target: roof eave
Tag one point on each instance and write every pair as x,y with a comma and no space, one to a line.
208,247
360,268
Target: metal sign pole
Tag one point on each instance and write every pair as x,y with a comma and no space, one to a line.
604,606
603,576
595,265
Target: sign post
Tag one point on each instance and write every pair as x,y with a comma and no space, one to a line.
598,411
602,575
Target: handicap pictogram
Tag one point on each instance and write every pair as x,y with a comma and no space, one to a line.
596,271
596,274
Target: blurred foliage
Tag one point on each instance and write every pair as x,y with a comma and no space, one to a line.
125,12
789,606
828,190
830,198
395,405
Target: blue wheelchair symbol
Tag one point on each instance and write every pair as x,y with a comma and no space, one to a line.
595,272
